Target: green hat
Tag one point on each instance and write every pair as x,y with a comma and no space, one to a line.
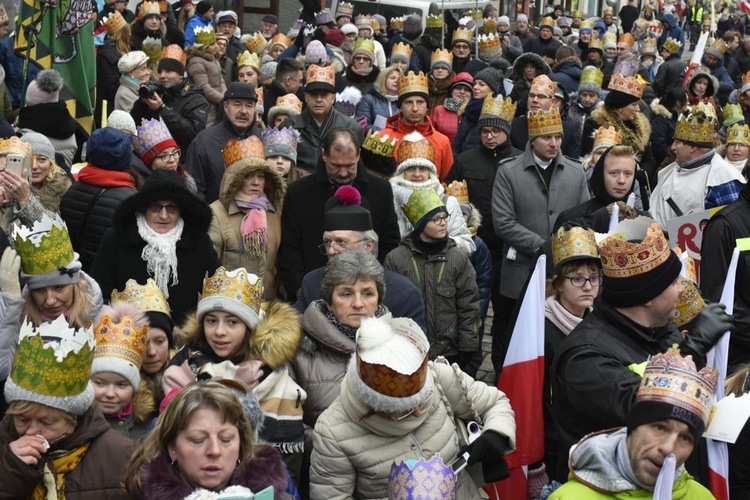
423,205
732,114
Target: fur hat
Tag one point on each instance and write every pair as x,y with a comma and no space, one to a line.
109,149
44,88
40,145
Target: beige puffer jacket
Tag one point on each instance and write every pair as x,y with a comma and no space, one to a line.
204,69
354,448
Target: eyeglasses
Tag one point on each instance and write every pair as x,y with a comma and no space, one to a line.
488,132
174,155
361,58
156,208
440,219
343,245
579,281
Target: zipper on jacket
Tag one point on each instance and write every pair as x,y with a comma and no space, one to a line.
416,269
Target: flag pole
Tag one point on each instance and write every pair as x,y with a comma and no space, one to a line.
31,31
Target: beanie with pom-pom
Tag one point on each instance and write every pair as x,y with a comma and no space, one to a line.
343,211
45,88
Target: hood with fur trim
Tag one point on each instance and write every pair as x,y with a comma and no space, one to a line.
658,109
637,137
55,186
144,403
542,67
234,176
713,83
475,217
202,52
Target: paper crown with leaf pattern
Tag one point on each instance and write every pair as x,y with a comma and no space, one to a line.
52,366
463,35
344,9
380,143
695,128
151,138
149,9
242,149
738,134
281,39
731,114
459,190
505,109
147,298
575,244
592,79
442,56
647,46
236,292
489,26
543,85
421,479
14,145
204,35
413,82
366,45
606,137
672,45
323,17
153,48
254,42
247,58
489,44
402,51
421,203
396,23
120,344
175,52
46,251
114,22
544,122
434,21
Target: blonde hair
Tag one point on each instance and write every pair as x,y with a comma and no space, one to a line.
23,407
383,76
121,39
80,311
177,415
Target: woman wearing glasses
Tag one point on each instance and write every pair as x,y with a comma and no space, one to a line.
161,232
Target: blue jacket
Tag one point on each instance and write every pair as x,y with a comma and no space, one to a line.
568,73
194,22
374,104
13,66
674,31
467,137
726,84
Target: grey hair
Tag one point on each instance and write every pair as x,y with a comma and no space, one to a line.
370,235
351,266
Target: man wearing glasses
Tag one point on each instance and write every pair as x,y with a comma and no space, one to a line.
461,48
288,80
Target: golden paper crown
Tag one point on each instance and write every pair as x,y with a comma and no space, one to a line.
153,49
363,20
375,24
174,52
606,137
204,35
547,22
396,24
15,146
45,247
403,49
114,23
416,149
420,203
627,38
622,259
597,44
577,14
413,82
259,102
576,244
379,144
586,24
281,39
322,74
672,46
689,303
434,21
627,85
543,85
459,190
344,9
476,14
463,35
544,122
255,42
671,379
696,128
236,150
247,58
738,134
648,46
490,26
147,298
505,109
149,9
120,340
706,108
720,46
290,101
442,55
607,10
609,37
489,43
235,285
592,75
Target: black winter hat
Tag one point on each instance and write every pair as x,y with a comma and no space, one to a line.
202,7
491,77
343,211
170,65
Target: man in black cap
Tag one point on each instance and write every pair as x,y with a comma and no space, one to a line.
204,161
269,26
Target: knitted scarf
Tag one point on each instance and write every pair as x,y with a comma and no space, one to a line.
349,331
160,252
100,177
53,484
254,224
559,316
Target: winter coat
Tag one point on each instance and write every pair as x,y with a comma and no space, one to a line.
161,481
204,69
53,120
127,94
445,118
107,74
524,209
669,75
365,83
376,108
88,209
481,261
539,46
397,129
469,65
478,168
99,474
571,141
271,92
521,85
355,447
311,136
673,31
568,73
226,224
14,67
467,136
439,91
663,125
195,21
726,85
448,285
303,216
139,34
204,161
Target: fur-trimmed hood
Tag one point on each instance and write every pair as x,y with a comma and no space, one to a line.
144,403
529,57
658,109
51,192
635,134
234,176
568,60
713,83
202,52
475,217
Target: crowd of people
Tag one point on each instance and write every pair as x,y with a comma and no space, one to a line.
266,271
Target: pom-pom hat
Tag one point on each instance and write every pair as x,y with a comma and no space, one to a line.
45,88
343,212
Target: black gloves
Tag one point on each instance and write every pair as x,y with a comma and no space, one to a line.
300,40
706,329
489,449
469,362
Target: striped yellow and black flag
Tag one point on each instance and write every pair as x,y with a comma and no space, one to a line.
66,43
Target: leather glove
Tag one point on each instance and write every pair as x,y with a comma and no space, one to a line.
712,322
10,284
300,40
469,362
489,449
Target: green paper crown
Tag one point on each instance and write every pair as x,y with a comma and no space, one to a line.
732,113
420,203
45,247
367,44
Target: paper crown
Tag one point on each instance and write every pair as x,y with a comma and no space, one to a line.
689,303
596,44
247,58
281,39
321,74
476,14
344,9
696,128
379,144
671,379
648,46
592,75
323,17
52,366
626,84
375,24
609,38
719,47
174,52
114,22
149,9
236,150
544,122
396,24
416,149
606,137
442,55
623,259
731,114
147,298
151,138
413,82
586,24
672,46
45,247
237,285
289,101
14,145
607,10
259,102
490,26
434,21
366,44
543,85
463,35
489,43
287,136
627,38
122,341
547,22
255,42
421,479
363,21
505,109
405,50
420,203
152,47
459,190
577,14
576,244
204,35
738,134
706,108
347,101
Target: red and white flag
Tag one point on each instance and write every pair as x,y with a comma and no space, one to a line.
745,5
522,380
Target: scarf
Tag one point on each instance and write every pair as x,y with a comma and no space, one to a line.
362,72
126,412
53,483
625,467
160,252
100,177
559,316
254,224
350,332
452,104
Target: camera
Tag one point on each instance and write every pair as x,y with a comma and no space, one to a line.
149,89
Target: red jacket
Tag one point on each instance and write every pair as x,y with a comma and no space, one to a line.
396,128
445,121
